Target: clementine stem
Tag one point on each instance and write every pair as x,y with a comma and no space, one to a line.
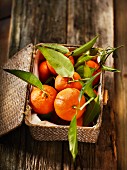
71,81
82,107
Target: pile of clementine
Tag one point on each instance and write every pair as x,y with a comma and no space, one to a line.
59,99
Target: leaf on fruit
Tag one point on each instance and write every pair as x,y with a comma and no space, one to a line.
27,77
89,91
56,47
92,111
58,61
80,70
82,59
88,71
72,138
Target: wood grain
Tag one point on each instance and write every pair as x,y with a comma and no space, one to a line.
66,21
4,39
5,9
87,19
5,16
35,22
120,95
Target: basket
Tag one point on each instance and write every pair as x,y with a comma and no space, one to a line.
40,130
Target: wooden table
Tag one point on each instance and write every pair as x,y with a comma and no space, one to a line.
72,22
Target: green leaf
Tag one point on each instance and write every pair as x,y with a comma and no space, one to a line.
88,71
93,51
72,138
89,82
83,59
80,70
92,111
27,77
106,68
88,101
87,87
89,91
58,61
85,47
105,53
56,47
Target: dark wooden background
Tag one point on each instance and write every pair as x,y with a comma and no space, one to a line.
73,22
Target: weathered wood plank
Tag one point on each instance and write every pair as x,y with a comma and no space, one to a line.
120,95
4,39
33,21
5,15
5,9
66,21
87,19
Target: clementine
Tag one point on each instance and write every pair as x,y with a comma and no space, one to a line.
71,58
40,55
92,64
63,82
66,104
52,70
80,121
42,102
44,72
96,66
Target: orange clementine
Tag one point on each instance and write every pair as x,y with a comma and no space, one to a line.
52,70
66,104
44,72
42,102
40,55
95,92
96,66
63,82
92,64
80,121
71,58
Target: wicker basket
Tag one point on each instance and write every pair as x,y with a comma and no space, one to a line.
40,130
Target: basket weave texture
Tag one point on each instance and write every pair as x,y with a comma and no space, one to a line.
60,133
13,90
46,131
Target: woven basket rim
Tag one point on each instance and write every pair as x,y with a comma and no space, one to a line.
96,126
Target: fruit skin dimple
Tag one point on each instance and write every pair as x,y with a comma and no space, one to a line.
63,82
65,103
43,102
